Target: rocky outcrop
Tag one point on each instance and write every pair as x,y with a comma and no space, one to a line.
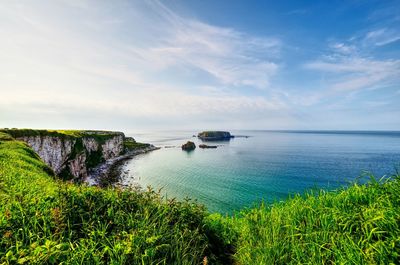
77,167
204,146
113,147
110,172
189,146
214,135
54,151
72,154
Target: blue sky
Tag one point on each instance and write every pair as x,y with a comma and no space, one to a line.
179,64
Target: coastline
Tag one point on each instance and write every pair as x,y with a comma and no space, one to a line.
117,218
108,173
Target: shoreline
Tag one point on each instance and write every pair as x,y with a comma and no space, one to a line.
108,173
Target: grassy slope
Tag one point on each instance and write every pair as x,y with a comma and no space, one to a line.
130,144
358,225
61,133
43,220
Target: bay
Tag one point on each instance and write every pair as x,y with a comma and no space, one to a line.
267,166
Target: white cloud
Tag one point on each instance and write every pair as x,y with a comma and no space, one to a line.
382,36
346,70
358,73
96,64
343,48
232,57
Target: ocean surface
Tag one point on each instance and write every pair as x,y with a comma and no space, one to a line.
267,166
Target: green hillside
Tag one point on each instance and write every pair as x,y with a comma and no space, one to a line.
46,221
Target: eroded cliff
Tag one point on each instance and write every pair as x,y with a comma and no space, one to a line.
71,154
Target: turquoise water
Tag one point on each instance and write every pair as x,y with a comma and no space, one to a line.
266,166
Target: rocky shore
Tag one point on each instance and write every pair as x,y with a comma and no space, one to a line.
109,172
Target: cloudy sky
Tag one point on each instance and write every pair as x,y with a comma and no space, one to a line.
184,64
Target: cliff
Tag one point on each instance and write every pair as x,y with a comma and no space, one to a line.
72,153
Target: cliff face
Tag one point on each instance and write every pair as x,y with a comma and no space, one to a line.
71,155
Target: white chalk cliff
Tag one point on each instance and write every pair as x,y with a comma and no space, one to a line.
72,157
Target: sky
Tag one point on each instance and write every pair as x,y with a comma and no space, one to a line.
185,64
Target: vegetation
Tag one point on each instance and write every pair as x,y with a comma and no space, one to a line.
14,132
46,221
130,144
358,225
214,135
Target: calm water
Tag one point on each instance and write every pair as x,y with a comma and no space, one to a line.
266,166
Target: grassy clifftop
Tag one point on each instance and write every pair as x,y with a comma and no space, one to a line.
45,220
129,143
98,135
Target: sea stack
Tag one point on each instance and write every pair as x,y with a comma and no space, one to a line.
189,146
214,135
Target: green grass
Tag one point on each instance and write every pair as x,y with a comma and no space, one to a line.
130,144
46,221
357,225
100,136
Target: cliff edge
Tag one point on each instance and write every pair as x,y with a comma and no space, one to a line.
71,153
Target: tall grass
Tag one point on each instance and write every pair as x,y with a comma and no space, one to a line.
46,221
357,225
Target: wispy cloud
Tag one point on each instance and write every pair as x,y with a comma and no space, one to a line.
89,65
147,61
232,57
347,69
348,66
382,36
358,73
343,48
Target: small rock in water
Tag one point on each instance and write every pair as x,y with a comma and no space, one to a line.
207,146
189,146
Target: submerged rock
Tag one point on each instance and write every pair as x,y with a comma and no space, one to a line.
189,146
204,146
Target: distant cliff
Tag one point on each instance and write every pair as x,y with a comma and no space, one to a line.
72,153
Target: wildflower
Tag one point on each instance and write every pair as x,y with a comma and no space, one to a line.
7,234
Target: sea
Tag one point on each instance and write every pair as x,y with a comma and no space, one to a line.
261,166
